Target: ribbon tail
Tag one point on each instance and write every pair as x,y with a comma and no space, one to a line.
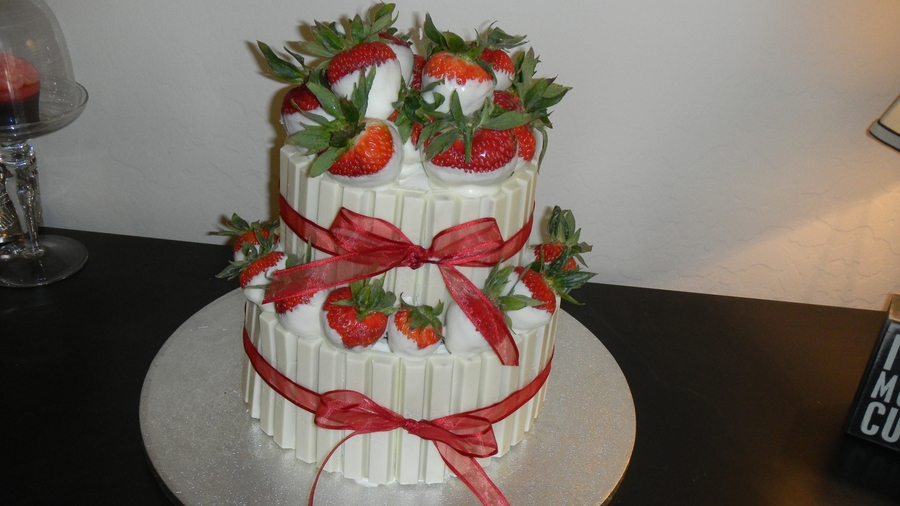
302,397
312,490
482,313
473,475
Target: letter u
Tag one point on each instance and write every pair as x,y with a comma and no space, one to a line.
886,434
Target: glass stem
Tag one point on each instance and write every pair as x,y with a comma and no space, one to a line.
19,158
10,230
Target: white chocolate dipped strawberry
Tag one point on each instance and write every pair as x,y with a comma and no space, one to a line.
415,331
533,97
453,65
471,155
296,107
255,270
350,58
301,314
355,317
496,45
554,273
361,152
248,235
460,335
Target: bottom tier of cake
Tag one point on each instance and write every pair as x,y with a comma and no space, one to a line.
439,385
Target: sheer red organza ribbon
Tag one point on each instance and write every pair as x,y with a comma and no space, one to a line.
459,438
364,247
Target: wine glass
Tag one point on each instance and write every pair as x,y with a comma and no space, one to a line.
38,96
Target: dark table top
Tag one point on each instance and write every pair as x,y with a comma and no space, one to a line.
739,401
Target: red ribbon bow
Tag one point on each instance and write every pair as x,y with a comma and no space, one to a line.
459,438
364,247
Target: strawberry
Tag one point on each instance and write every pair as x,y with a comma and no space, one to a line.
296,106
404,54
564,240
355,317
460,335
536,96
415,82
349,58
453,65
301,314
415,331
525,139
257,267
254,272
471,154
249,235
491,151
496,43
362,152
549,252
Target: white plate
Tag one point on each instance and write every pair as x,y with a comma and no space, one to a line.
207,449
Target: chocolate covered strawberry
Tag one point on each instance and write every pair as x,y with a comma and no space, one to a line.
471,154
415,331
564,239
349,58
362,152
536,97
525,139
461,337
301,314
453,65
297,105
530,283
248,235
544,282
496,45
355,317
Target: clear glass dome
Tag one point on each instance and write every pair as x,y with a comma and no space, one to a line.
33,57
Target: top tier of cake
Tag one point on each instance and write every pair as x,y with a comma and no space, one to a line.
419,213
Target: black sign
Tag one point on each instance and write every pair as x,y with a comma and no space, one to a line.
875,415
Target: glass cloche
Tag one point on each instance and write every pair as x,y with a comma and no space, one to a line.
38,95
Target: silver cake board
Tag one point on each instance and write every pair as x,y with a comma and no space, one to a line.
206,449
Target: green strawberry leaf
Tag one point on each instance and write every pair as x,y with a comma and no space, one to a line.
324,161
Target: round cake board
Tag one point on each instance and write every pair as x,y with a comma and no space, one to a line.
206,449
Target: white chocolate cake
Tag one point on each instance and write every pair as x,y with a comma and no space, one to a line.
399,324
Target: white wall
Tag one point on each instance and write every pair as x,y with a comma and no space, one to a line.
707,146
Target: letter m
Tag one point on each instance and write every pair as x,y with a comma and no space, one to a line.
884,388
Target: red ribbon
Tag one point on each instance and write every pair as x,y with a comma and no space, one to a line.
460,438
363,247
